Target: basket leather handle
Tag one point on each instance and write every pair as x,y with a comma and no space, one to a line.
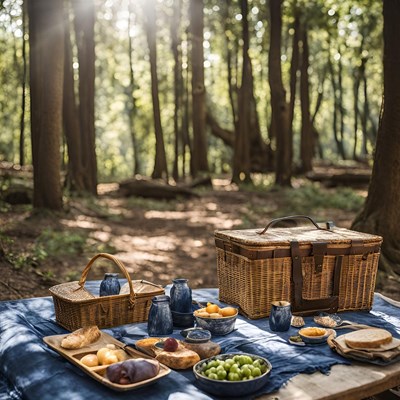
120,265
302,306
292,218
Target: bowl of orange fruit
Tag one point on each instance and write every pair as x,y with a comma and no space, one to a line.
218,320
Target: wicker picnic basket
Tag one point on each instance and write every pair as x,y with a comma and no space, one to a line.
316,269
76,307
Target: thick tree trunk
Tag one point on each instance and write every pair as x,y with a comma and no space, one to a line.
381,213
84,32
160,165
280,108
23,95
46,40
307,140
196,27
241,155
72,131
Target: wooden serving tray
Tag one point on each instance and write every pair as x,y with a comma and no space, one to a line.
99,372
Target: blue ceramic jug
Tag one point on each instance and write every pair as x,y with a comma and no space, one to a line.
280,317
160,317
110,285
181,296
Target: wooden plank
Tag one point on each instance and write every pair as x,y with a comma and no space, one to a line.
347,382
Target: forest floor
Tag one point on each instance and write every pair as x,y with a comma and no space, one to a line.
156,240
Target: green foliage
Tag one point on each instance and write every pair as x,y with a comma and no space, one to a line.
336,31
310,198
61,243
307,199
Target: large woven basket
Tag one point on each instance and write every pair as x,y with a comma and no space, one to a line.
316,269
76,307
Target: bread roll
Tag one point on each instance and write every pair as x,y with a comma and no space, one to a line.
81,337
182,358
90,360
368,338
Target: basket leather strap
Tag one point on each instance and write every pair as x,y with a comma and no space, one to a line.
254,254
307,306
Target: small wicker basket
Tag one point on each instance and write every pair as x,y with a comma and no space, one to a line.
76,307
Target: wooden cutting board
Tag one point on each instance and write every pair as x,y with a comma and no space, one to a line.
99,372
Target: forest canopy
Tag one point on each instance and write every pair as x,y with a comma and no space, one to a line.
343,68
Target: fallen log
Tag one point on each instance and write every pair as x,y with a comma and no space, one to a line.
340,179
153,189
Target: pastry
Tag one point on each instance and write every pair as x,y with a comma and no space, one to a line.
368,338
181,358
90,360
81,337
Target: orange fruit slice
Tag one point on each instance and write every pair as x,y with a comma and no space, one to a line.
212,308
228,311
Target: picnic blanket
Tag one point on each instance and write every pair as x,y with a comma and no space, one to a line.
31,370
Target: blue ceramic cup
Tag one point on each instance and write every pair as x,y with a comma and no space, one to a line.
280,317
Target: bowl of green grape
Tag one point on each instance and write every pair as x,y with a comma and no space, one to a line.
232,374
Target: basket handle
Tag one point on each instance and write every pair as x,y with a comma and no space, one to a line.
293,218
120,265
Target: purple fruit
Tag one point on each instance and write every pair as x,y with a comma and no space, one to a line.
171,345
132,371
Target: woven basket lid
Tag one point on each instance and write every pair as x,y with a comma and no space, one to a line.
303,234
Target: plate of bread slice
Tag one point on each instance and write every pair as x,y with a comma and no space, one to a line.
373,345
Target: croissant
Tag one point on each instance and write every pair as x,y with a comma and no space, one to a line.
81,337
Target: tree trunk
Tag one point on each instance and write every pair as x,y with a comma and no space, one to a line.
241,155
280,108
23,95
175,45
131,99
196,28
307,141
294,66
75,174
84,32
160,165
381,211
336,106
232,85
46,43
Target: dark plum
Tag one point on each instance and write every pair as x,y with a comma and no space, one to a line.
170,344
132,371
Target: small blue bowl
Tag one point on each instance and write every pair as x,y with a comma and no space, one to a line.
217,326
312,338
230,388
183,320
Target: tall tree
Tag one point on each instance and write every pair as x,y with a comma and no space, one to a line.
381,211
23,95
131,103
307,140
196,27
84,14
178,82
72,130
241,157
160,165
280,108
46,56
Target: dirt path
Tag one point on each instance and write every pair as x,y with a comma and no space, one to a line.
156,240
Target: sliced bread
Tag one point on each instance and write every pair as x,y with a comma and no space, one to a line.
368,338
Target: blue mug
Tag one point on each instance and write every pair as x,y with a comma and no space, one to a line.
280,317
